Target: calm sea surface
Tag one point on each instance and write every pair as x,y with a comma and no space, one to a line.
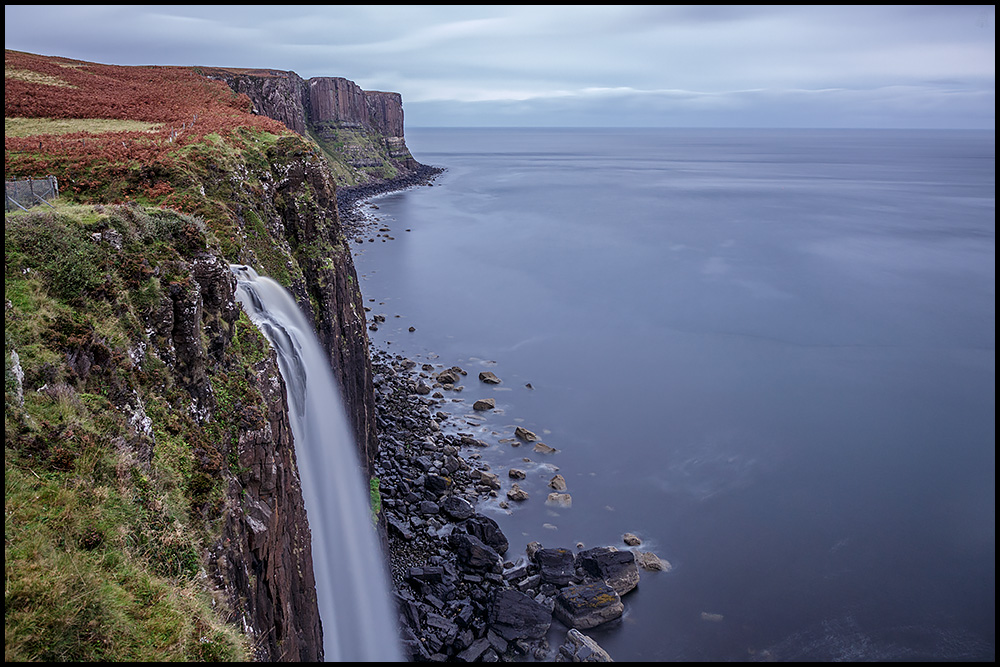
769,354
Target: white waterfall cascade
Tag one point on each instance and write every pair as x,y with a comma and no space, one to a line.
352,585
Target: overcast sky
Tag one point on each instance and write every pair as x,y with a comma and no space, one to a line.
586,65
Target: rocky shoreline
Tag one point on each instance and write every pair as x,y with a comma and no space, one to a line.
461,593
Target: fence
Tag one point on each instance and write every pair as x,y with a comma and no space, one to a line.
29,192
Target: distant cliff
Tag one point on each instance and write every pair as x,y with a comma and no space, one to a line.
360,131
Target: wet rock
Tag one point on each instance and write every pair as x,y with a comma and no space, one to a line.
617,568
558,483
578,647
631,540
525,434
647,560
587,605
457,509
489,378
487,530
556,566
516,493
559,499
487,479
484,404
542,448
513,615
473,554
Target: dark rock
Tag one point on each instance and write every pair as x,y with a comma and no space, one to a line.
587,605
472,553
556,566
487,530
617,568
578,647
514,615
448,377
475,650
457,508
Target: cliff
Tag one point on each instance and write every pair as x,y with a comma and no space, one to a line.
360,131
153,503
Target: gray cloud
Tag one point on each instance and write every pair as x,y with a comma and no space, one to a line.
906,66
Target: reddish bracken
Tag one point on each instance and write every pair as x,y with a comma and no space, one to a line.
188,106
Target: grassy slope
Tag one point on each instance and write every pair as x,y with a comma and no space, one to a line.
102,549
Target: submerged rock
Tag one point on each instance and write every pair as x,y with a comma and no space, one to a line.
647,560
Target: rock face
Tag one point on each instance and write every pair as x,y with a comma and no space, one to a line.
262,557
259,561
361,128
282,96
259,556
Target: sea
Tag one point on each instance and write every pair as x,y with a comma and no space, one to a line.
768,354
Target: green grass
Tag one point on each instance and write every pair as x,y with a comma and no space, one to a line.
103,541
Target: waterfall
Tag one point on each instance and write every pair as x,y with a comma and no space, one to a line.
352,585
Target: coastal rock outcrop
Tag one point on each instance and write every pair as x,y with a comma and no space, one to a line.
462,595
358,129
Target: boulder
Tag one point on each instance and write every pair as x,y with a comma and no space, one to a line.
484,404
578,647
647,560
517,493
556,566
513,615
489,378
559,499
487,530
587,605
617,568
448,377
631,540
558,483
473,554
457,509
525,434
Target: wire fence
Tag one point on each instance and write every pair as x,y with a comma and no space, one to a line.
24,193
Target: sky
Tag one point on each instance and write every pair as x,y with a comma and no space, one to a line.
891,66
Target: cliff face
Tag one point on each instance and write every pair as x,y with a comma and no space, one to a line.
357,129
142,404
260,558
172,384
283,96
